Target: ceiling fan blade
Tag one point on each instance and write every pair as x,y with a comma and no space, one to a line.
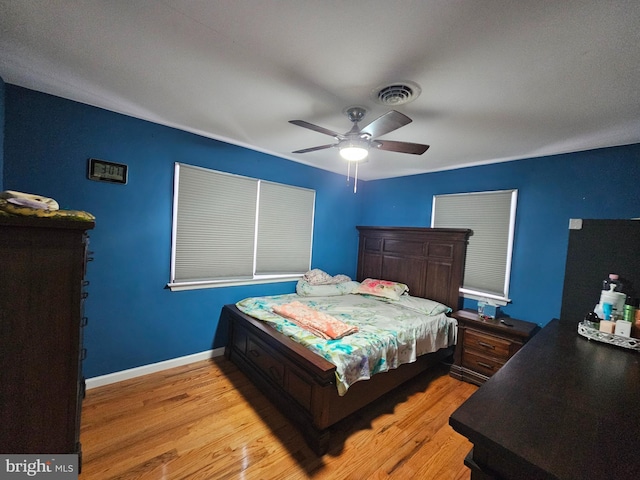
313,149
386,123
401,147
316,128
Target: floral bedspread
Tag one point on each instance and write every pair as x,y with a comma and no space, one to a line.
388,335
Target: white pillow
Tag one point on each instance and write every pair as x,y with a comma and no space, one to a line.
305,289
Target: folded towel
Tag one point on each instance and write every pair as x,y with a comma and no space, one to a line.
319,323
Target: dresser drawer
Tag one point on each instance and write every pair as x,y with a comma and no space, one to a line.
262,357
481,364
493,346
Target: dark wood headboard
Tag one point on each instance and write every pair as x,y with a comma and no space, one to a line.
429,260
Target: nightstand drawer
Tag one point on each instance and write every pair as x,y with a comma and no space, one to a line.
481,364
493,346
485,344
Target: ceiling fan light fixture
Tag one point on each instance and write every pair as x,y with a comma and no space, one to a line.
353,153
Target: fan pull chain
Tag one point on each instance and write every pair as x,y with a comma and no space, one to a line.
355,179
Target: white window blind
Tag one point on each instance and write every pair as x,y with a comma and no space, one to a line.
285,229
491,217
230,229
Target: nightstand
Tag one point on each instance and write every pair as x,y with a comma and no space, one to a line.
485,345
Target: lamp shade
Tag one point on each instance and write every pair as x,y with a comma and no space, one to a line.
354,149
353,153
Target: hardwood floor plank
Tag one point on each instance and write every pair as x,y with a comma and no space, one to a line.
207,421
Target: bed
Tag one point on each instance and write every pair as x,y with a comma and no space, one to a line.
302,383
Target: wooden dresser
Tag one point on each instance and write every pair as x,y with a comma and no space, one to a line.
564,408
42,268
485,345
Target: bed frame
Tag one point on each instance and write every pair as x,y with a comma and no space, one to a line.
302,384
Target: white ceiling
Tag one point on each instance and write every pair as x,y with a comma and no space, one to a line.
500,80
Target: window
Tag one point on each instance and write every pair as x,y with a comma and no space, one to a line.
491,216
230,230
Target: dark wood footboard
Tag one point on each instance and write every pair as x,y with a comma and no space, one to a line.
302,384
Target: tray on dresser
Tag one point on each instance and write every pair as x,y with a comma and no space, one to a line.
593,334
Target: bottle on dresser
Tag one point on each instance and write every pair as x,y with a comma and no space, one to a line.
612,293
635,329
611,307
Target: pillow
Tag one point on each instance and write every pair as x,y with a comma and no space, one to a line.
320,277
305,289
382,288
421,305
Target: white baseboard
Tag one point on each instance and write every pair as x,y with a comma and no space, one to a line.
151,368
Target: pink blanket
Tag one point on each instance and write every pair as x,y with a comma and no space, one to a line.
318,323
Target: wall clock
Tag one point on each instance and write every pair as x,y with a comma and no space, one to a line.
103,171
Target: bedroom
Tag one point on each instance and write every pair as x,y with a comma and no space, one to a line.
135,321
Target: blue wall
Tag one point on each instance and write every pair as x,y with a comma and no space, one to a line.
134,320
595,184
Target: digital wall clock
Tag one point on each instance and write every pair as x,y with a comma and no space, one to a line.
103,171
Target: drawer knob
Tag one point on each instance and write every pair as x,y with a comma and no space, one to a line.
255,353
487,345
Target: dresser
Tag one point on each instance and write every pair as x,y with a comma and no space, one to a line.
485,345
564,408
42,292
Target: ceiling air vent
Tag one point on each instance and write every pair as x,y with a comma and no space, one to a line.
396,93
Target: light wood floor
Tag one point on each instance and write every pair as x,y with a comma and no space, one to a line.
207,421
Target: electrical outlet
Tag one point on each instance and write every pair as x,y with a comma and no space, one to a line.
575,224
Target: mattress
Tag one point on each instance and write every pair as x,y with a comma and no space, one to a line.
390,333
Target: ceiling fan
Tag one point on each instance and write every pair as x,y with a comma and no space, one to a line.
354,145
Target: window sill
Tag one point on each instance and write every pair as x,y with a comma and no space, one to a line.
480,296
180,286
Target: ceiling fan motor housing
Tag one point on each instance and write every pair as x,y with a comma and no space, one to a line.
355,114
